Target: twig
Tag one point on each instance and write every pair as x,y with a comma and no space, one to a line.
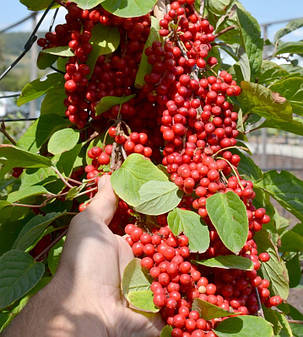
294,321
5,133
160,9
53,19
31,206
260,311
11,96
61,177
202,7
57,70
225,30
74,181
51,245
87,191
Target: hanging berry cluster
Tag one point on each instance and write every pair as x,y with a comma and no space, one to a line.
183,118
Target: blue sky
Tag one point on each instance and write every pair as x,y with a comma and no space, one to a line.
263,10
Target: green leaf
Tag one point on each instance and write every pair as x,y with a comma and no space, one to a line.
286,189
291,26
40,131
209,311
19,273
68,160
294,126
166,331
53,103
252,41
244,326
257,99
143,300
271,72
38,88
37,5
228,215
63,51
297,330
28,191
134,172
144,66
218,6
191,225
292,240
16,157
294,271
158,197
292,70
289,48
44,61
41,177
87,4
108,102
134,278
228,262
54,256
63,141
277,319
105,40
248,167
292,89
33,230
273,270
129,8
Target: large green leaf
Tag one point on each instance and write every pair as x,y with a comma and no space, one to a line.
292,89
26,192
289,47
244,326
271,72
129,8
63,51
218,6
63,141
209,311
286,189
44,61
158,197
135,172
191,225
108,102
252,41
87,4
294,271
42,176
257,99
228,262
248,167
228,215
134,278
294,126
143,300
292,69
53,103
292,240
273,270
40,131
38,88
69,160
34,229
104,40
19,273
277,319
290,27
16,157
145,67
37,5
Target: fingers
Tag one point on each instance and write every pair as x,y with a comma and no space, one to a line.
104,204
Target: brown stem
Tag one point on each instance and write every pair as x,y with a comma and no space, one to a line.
51,245
160,9
83,193
5,133
260,311
225,30
74,181
294,321
30,206
93,136
61,177
61,3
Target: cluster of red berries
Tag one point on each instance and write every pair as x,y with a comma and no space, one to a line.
183,117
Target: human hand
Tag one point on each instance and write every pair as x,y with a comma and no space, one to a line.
95,258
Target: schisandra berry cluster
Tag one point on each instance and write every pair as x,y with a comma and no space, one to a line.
183,118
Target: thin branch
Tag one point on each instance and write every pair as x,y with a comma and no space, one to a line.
85,192
260,311
160,9
74,181
11,96
5,133
61,177
57,70
294,321
51,245
223,31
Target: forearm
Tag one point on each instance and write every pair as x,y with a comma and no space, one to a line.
53,312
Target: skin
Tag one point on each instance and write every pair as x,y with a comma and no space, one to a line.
84,297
